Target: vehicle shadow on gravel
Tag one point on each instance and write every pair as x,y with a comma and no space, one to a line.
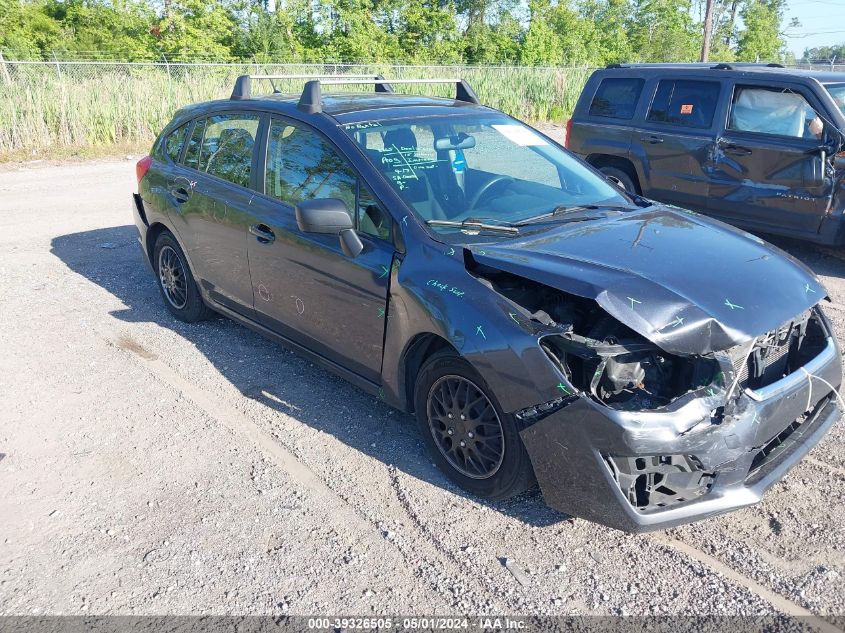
267,373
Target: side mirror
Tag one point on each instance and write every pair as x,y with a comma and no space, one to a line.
323,215
329,216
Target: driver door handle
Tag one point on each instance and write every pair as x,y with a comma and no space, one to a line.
263,233
652,139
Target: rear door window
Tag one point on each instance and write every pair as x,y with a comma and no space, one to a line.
192,154
775,111
685,103
227,146
302,165
616,98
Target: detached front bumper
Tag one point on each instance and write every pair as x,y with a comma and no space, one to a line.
642,471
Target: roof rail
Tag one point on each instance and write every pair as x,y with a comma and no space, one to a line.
243,84
719,66
311,100
737,65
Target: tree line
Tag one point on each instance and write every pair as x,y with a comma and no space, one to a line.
527,32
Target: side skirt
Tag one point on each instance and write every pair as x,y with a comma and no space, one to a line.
350,376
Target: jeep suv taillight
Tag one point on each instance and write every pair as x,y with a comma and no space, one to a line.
143,167
568,133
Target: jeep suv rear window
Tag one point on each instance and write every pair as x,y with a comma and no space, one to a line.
685,103
617,98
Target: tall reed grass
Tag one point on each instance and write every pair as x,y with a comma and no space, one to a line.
45,107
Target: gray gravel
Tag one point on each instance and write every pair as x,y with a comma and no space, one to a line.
155,467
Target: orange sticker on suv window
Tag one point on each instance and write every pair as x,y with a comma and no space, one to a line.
686,108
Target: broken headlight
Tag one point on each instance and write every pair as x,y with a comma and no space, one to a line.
623,370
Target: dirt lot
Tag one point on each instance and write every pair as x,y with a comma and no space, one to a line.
153,467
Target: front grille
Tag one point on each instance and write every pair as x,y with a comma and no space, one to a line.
781,445
780,352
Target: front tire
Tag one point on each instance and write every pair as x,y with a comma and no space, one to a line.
175,281
467,434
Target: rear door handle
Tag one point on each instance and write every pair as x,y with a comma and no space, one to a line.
263,233
736,150
652,139
180,194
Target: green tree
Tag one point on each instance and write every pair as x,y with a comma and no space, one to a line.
664,31
761,39
26,31
609,38
197,28
269,36
541,44
101,29
427,32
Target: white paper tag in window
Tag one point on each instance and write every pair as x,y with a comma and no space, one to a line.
520,135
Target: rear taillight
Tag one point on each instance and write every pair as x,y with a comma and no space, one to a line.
143,167
568,133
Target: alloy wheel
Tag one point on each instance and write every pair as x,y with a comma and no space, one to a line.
171,274
465,427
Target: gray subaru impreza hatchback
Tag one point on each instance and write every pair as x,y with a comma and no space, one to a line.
646,366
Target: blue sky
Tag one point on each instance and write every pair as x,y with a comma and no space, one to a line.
822,23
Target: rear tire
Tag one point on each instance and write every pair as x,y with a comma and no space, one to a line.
478,447
175,281
622,178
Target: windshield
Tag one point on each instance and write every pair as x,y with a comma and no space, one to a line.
837,91
491,169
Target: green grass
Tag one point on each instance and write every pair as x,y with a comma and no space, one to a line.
52,109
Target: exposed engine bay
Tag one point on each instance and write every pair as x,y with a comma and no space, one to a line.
620,368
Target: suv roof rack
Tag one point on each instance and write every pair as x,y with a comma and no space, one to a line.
719,66
243,84
311,100
735,65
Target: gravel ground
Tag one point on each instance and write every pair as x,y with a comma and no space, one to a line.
153,467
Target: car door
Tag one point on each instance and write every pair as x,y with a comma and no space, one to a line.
605,128
674,141
212,192
305,288
768,170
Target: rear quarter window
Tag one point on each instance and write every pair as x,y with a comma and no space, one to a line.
170,147
616,98
685,103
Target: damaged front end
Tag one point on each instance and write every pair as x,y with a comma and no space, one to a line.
644,439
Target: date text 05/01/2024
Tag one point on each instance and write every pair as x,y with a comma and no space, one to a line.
482,623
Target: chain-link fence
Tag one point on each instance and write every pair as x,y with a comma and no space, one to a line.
84,104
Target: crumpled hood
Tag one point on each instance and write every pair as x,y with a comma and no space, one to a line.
689,284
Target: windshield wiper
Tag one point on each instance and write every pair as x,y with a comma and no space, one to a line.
475,225
564,209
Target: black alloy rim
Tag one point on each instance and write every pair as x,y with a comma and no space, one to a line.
466,427
171,274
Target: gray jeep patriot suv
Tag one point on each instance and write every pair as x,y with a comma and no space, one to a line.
758,146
